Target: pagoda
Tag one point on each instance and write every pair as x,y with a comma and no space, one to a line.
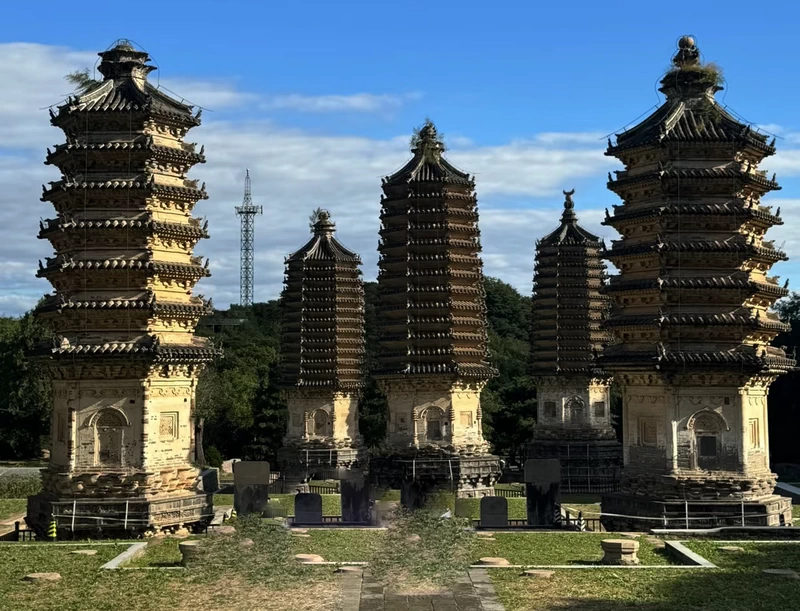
433,344
691,310
124,359
323,353
573,420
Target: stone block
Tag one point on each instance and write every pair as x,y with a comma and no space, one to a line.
308,508
543,490
250,487
543,471
355,498
787,573
190,550
538,574
620,551
494,512
308,558
209,480
491,561
39,577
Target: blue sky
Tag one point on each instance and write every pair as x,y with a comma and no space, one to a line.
318,100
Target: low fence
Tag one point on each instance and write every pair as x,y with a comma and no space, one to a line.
18,534
510,493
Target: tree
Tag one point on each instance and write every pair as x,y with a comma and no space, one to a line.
509,401
25,389
82,80
783,403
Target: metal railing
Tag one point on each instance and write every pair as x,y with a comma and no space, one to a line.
18,534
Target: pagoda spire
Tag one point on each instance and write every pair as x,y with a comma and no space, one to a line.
569,215
124,61
324,227
690,78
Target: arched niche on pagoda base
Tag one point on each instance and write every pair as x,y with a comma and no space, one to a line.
319,424
106,439
432,424
708,436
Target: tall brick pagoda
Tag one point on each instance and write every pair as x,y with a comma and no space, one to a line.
124,361
691,309
573,404
433,358
323,354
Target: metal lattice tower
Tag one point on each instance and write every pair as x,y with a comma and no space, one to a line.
247,212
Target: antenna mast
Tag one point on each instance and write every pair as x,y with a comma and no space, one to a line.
247,212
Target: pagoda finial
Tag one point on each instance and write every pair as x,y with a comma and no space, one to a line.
688,54
124,61
324,226
569,208
427,140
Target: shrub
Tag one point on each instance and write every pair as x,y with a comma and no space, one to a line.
213,457
19,486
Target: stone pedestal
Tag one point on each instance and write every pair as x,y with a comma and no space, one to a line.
588,466
418,474
116,517
646,513
620,552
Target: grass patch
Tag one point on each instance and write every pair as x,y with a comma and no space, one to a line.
423,551
738,585
12,507
545,548
20,485
83,585
756,556
645,590
796,511
161,551
331,503
227,575
340,545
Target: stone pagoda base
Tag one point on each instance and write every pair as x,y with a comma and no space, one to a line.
116,517
587,466
300,464
647,513
417,474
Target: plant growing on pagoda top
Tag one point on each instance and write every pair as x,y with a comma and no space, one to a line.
82,80
426,132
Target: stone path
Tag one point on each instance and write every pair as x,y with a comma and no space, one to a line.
473,592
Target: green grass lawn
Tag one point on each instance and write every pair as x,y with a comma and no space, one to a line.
331,503
646,590
738,585
756,556
83,585
262,577
12,507
546,548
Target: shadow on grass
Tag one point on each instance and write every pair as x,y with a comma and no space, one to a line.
739,585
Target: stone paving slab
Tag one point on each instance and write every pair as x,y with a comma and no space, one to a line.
473,592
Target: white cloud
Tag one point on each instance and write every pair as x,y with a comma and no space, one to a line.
293,172
595,139
358,102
